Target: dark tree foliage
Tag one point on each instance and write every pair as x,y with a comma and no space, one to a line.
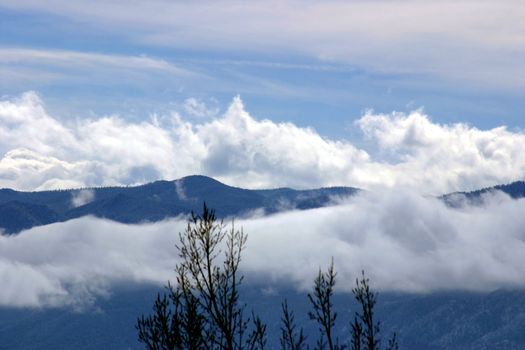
162,330
257,339
203,311
175,324
392,343
291,338
365,330
357,334
323,313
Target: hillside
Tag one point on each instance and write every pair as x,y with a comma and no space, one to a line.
153,202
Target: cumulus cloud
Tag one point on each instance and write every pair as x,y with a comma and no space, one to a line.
404,241
22,168
445,157
39,151
197,108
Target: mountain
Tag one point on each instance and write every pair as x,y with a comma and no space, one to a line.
16,216
164,199
153,202
515,190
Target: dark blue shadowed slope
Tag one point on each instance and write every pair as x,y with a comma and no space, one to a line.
155,201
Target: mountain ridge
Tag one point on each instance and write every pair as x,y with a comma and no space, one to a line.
163,199
153,201
515,190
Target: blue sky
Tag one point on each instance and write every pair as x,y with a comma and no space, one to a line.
320,66
289,64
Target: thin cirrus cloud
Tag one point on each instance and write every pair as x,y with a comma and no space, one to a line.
43,67
404,241
478,43
41,152
80,59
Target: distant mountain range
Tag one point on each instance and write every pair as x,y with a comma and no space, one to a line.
153,202
164,199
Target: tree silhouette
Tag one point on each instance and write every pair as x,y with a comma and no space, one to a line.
365,330
203,311
291,338
323,313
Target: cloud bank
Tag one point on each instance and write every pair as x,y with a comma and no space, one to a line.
71,263
404,241
39,151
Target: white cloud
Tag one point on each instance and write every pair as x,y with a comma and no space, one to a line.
22,168
197,108
179,189
473,42
41,152
404,241
70,263
445,157
25,124
41,68
243,150
86,60
82,197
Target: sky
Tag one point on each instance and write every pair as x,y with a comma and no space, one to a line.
347,73
406,99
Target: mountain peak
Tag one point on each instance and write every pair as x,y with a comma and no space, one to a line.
161,199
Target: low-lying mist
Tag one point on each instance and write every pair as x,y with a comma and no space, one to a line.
404,241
